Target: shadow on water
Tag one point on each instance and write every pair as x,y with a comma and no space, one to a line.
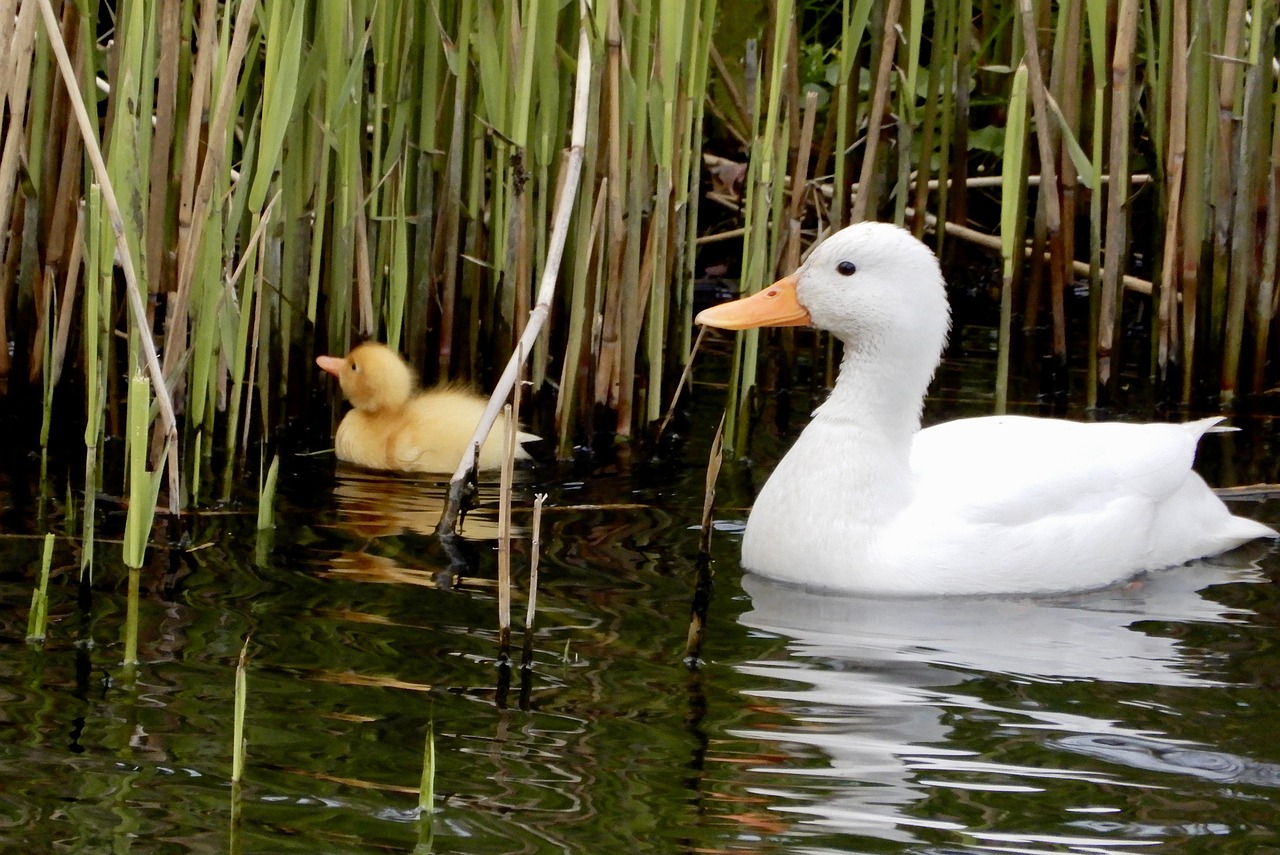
1140,716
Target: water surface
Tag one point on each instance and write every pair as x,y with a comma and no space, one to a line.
1137,718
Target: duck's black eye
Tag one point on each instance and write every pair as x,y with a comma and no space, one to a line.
846,268
354,367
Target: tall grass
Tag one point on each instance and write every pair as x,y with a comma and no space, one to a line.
259,182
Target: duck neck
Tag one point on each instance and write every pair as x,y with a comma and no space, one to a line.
878,402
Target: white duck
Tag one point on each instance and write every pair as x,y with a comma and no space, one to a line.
867,502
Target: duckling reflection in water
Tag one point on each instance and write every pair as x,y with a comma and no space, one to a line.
396,425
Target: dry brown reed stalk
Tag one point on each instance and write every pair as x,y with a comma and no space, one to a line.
1253,128
1265,305
1175,171
684,378
504,529
863,203
1200,108
1046,141
1117,218
696,633
1222,186
535,555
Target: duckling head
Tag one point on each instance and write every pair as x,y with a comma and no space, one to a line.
373,377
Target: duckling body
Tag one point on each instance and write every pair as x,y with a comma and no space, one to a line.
395,425
868,502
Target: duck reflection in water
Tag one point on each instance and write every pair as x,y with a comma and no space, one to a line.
876,713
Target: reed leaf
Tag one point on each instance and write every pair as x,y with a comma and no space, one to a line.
267,495
38,618
1012,206
239,745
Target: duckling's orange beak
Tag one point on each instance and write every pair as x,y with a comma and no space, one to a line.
775,306
331,364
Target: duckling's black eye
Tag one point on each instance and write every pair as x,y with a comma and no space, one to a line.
354,367
846,268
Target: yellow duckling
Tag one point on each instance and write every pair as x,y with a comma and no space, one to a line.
396,425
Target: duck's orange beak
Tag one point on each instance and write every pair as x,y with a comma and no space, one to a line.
331,364
775,306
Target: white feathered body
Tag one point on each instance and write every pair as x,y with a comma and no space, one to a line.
1001,504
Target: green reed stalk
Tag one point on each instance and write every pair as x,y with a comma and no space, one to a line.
853,18
1096,16
698,58
946,44
239,745
636,191
46,386
457,54
663,99
97,280
427,784
38,618
1012,206
144,485
768,151
957,211
939,60
144,489
267,495
574,401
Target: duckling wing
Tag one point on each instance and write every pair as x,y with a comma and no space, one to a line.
438,427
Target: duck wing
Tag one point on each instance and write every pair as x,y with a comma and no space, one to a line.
1012,470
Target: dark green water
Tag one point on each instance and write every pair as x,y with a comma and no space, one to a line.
1136,719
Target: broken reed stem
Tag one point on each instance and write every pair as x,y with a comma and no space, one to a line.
714,461
535,548
702,585
684,377
1081,268
535,553
504,533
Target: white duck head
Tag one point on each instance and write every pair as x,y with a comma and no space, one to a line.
880,291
